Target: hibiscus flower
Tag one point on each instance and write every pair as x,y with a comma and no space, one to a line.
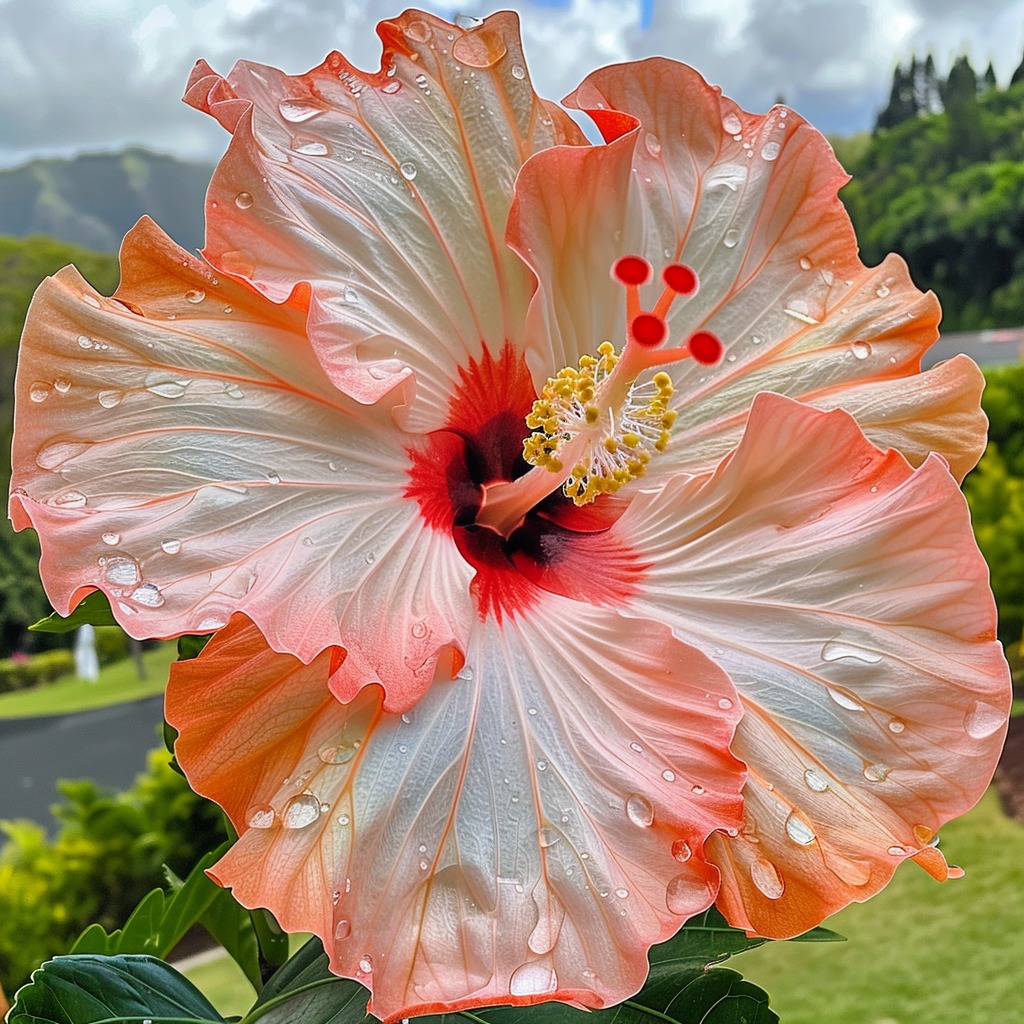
582,541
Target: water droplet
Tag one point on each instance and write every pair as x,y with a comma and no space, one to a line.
681,851
898,851
366,963
983,719
111,538
122,571
341,751
588,973
697,789
69,499
815,780
309,146
480,48
799,830
836,650
882,291
84,341
542,766
668,775
686,895
724,703
860,349
532,979
273,478
798,310
636,746
244,200
342,930
770,150
756,339
418,31
300,811
234,391
298,110
39,391
62,384
896,725
148,594
844,700
765,875
370,558
640,810
876,772
91,300
731,237
169,388
391,87
260,816
195,296
110,399
408,170
731,124
531,712
519,73
548,837
171,546
925,835
420,630
350,294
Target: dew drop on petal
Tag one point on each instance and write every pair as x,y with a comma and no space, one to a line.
924,835
148,594
765,875
518,72
122,571
366,963
681,851
420,630
533,979
195,296
835,650
391,87
844,700
640,810
731,237
260,816
731,124
62,384
815,780
171,545
39,391
876,772
418,31
298,110
244,200
668,775
84,341
350,294
983,719
109,399
769,151
860,349
68,499
896,725
636,746
724,703
169,389
687,895
799,830
300,811
805,263
111,538
310,147
697,789
343,929
653,144
898,851
408,170
882,291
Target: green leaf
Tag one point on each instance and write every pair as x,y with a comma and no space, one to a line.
190,647
107,989
93,609
231,925
819,935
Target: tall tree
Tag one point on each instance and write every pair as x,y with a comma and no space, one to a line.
901,106
988,80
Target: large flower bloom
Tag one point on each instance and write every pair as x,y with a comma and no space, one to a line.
491,730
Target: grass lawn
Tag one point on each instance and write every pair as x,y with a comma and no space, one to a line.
919,951
116,683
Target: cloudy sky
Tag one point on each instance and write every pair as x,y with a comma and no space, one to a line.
100,74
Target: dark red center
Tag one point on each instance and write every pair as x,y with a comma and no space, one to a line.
559,548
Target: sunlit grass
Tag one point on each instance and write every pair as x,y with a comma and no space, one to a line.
919,951
117,683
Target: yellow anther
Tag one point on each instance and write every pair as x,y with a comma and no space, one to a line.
593,414
630,439
662,381
611,445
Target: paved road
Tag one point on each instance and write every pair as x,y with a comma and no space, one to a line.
108,745
989,348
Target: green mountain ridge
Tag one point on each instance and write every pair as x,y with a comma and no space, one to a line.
93,199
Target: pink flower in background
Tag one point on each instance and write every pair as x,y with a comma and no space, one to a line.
492,729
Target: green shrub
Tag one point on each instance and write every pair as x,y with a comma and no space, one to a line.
108,853
111,644
17,674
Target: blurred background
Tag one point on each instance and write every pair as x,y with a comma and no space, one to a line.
923,101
